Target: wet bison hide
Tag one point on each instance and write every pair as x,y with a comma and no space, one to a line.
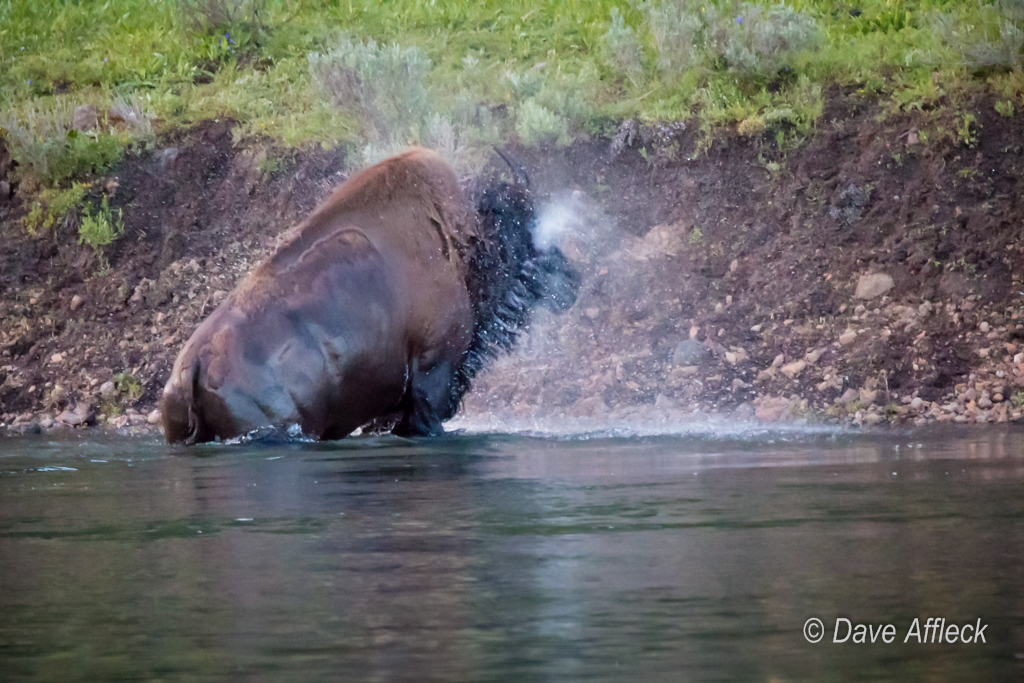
384,302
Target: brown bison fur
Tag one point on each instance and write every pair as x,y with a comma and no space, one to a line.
384,302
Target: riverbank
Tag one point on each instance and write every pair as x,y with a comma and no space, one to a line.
868,276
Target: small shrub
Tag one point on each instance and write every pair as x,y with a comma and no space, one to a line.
43,142
1017,399
524,85
967,129
128,386
38,137
1007,50
538,125
382,86
443,137
217,15
53,207
100,229
753,41
135,114
622,50
1004,108
677,28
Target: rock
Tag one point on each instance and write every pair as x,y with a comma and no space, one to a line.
983,327
756,328
730,358
31,427
690,352
813,356
591,406
916,403
859,310
77,417
793,369
984,403
871,419
847,338
872,285
84,118
154,417
867,396
5,189
779,360
772,409
76,302
57,358
744,411
46,422
108,390
592,313
970,394
848,395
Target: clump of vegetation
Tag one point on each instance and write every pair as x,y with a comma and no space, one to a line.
1001,39
759,42
538,125
383,86
128,386
45,145
216,15
54,208
622,48
678,31
101,228
39,136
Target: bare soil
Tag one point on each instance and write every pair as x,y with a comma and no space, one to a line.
753,253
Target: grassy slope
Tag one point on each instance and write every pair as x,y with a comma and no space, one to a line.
182,68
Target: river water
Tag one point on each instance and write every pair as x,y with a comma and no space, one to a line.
488,557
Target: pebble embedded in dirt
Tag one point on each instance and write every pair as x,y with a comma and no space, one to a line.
690,352
873,285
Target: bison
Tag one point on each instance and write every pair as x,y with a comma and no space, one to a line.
380,306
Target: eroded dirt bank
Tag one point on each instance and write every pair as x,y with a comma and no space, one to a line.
719,281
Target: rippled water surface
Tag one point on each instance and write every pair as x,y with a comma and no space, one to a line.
483,557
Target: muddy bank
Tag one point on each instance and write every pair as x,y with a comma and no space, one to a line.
717,281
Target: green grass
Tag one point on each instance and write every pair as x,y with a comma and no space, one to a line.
541,72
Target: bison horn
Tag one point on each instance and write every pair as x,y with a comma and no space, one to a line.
517,168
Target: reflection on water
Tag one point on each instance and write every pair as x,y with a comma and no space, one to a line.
509,558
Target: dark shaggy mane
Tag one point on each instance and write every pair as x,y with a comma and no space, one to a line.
508,276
